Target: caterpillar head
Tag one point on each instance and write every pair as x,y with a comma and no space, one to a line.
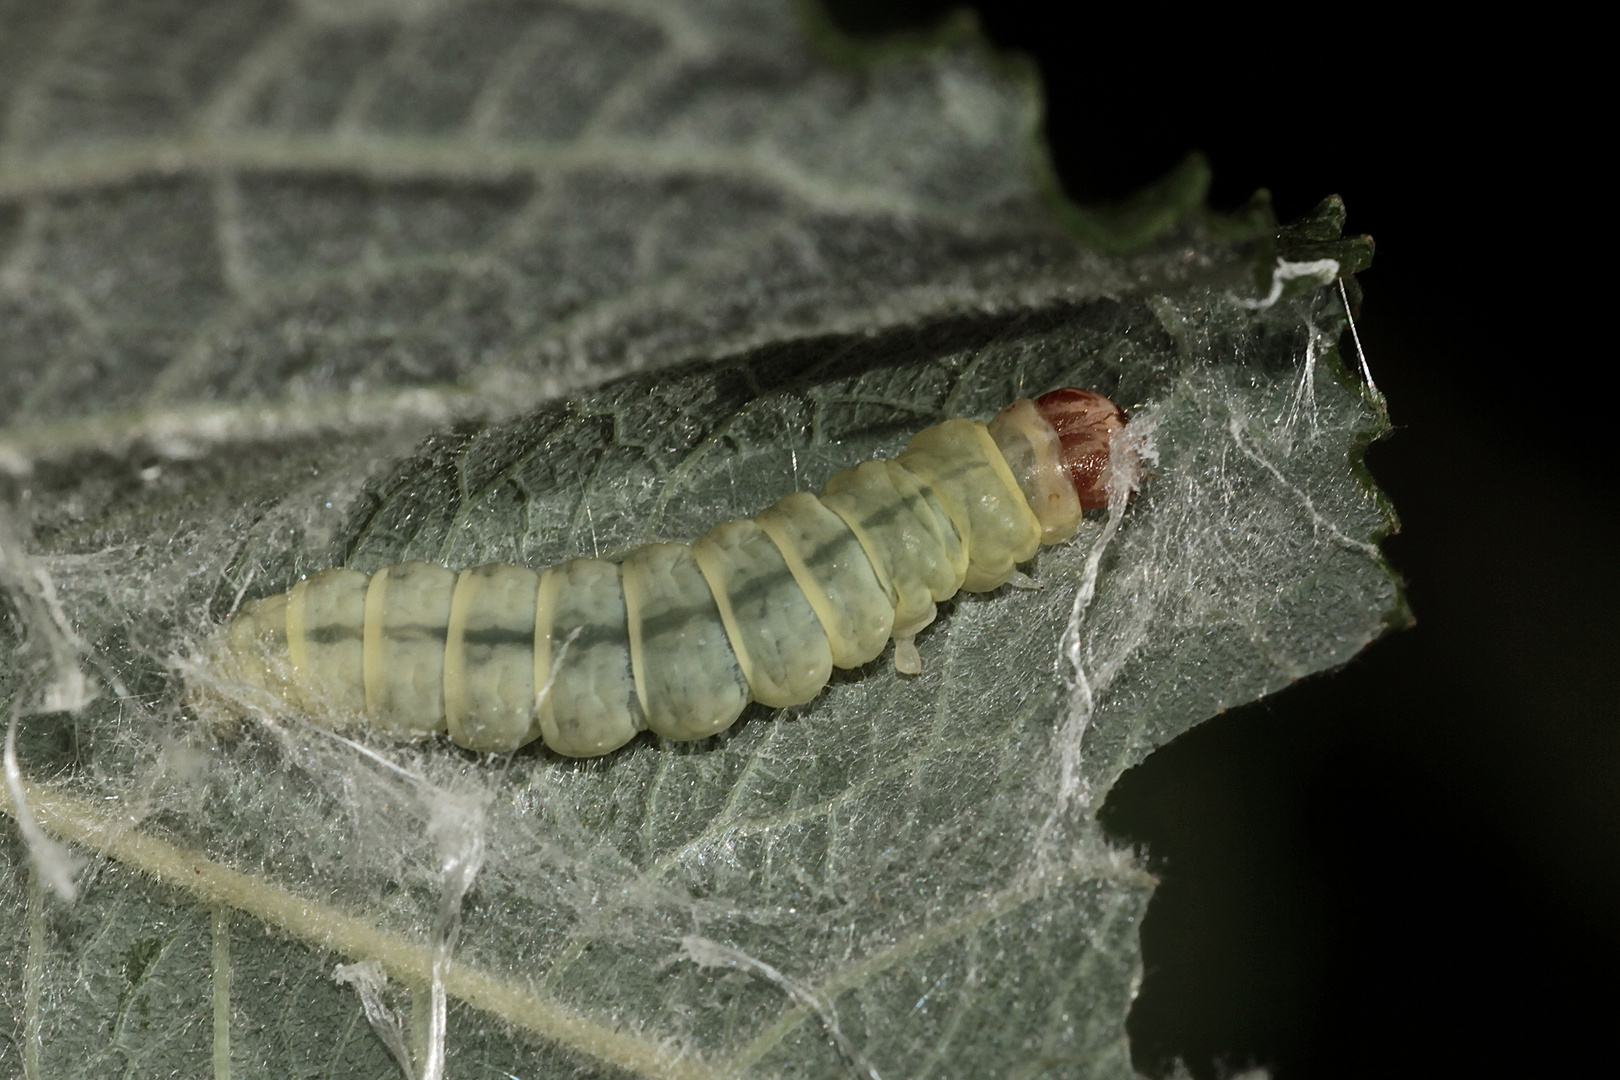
1057,447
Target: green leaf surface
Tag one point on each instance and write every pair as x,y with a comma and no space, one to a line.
286,287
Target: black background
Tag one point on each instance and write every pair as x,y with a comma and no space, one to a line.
1407,867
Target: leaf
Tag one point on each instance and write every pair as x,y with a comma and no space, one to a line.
288,288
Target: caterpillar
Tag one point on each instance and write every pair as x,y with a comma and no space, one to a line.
678,638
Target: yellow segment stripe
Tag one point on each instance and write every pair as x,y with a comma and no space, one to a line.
873,550
545,604
297,643
371,642
630,582
1004,473
813,590
711,564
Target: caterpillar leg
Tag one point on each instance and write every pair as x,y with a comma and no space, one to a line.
1020,580
907,660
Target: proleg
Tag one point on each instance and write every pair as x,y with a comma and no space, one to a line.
679,638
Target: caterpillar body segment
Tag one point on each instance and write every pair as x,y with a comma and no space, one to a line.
324,618
835,576
778,640
687,677
583,695
489,658
680,638
1025,438
408,613
985,501
903,536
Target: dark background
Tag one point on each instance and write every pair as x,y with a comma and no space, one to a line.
1410,866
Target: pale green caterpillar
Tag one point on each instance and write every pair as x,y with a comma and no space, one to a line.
679,638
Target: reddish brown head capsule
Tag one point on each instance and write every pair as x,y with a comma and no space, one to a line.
1086,423
1057,450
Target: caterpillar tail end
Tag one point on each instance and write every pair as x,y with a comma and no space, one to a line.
242,668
